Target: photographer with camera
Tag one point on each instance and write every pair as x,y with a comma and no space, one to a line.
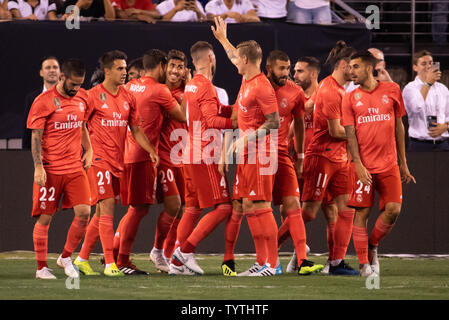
427,104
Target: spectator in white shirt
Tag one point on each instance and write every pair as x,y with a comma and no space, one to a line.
32,9
181,10
232,11
427,104
309,11
4,13
271,10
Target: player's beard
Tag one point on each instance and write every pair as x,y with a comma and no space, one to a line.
279,81
67,91
305,84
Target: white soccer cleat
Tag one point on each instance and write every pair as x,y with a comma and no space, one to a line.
292,266
45,273
70,269
188,259
179,271
374,261
307,249
253,269
326,267
267,271
157,256
366,270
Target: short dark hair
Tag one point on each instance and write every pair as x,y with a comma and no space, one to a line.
97,77
420,54
312,62
136,63
366,56
250,49
153,57
177,55
107,59
277,55
73,67
341,51
48,58
200,46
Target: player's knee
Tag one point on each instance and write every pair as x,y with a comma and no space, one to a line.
290,203
44,219
309,212
392,211
173,208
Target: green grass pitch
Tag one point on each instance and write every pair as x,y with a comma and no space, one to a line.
400,279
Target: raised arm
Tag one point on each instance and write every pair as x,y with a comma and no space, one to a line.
220,33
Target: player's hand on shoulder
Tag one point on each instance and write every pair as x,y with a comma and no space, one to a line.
40,176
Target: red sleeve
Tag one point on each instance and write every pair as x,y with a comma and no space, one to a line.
298,110
166,99
331,105
266,98
209,109
347,118
399,107
39,112
225,111
134,118
90,105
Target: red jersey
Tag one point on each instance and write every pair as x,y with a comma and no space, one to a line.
108,119
138,4
255,99
308,126
168,125
152,99
202,107
62,120
373,115
328,97
290,98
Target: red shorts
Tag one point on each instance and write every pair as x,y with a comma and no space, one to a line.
103,184
251,184
170,182
138,183
74,189
327,199
321,175
285,180
204,186
388,185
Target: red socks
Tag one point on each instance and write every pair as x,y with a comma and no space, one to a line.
232,233
380,230
106,231
258,238
116,242
187,223
205,226
76,233
283,232
343,232
164,223
129,232
298,233
91,238
270,233
360,240
330,231
170,240
40,240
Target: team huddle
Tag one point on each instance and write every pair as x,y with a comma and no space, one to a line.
165,137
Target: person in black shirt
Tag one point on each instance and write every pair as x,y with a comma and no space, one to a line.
91,9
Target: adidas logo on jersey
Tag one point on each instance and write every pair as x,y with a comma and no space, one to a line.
105,106
252,193
359,104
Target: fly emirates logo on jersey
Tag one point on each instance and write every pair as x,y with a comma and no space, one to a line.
374,116
71,123
116,121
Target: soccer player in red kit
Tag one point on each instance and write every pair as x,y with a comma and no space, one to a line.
327,166
257,113
153,99
170,188
111,109
372,117
57,120
204,185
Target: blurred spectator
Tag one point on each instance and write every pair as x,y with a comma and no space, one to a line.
136,9
32,9
49,72
309,11
222,96
232,11
181,10
135,69
4,13
427,104
97,77
271,10
439,21
381,72
91,9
